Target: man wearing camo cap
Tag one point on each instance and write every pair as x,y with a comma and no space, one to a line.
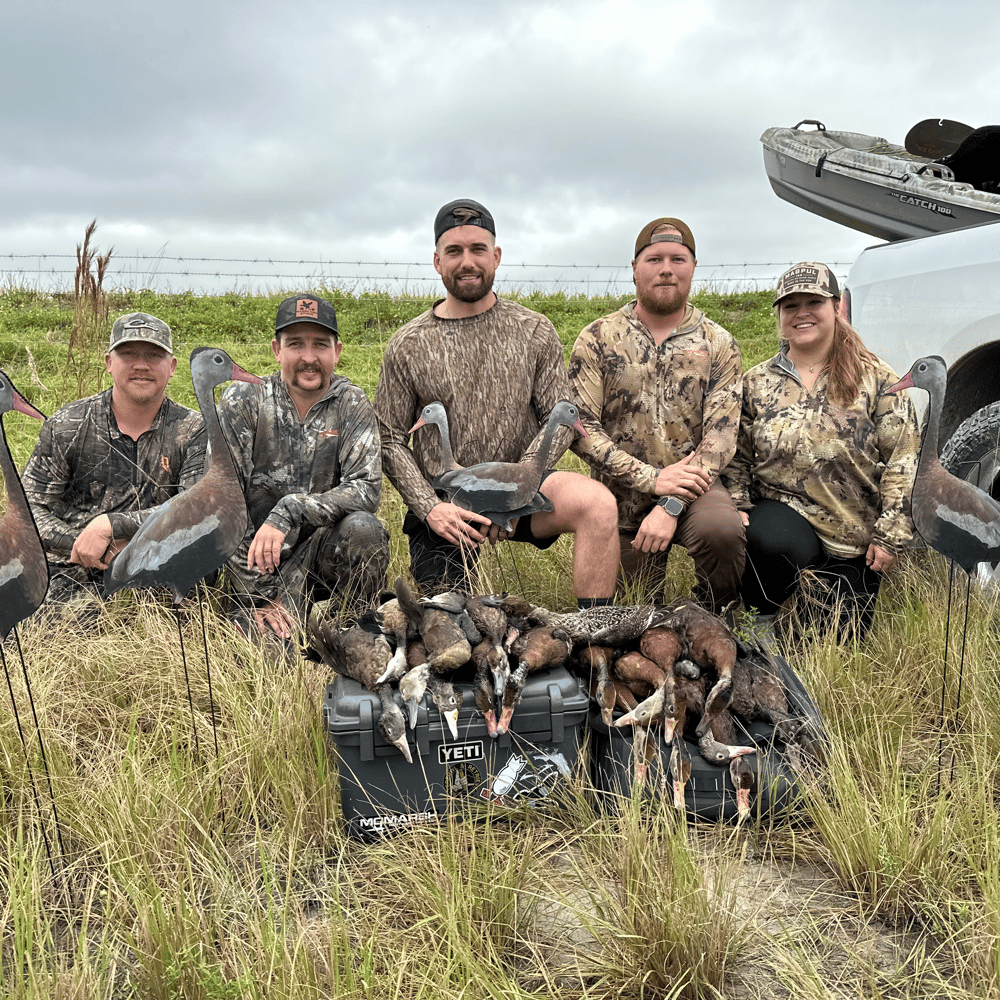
658,385
307,449
103,464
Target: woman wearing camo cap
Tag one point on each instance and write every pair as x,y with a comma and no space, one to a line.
824,464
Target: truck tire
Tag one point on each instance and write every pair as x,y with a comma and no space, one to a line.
973,451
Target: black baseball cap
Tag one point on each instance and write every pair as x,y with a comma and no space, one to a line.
463,212
306,309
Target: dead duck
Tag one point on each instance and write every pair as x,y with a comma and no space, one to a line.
594,664
501,491
399,617
538,649
640,673
483,686
447,631
362,655
491,622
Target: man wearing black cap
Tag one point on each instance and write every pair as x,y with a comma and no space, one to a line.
498,369
307,449
103,464
658,384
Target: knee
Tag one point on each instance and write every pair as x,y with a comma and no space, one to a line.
599,510
361,536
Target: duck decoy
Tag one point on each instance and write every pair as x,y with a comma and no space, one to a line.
951,515
501,491
194,532
24,579
24,571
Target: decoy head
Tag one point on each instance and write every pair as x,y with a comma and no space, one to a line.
11,399
432,413
568,415
212,366
930,374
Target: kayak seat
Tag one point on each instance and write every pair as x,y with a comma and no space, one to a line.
977,159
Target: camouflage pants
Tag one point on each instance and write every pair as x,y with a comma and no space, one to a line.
711,530
345,563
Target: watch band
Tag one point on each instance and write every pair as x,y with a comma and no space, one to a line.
672,505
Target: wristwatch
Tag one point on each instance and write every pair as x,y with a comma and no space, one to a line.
672,505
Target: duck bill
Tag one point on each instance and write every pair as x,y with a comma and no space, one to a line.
404,748
679,800
607,716
411,712
743,803
499,685
491,723
242,375
452,719
906,382
504,724
416,427
23,406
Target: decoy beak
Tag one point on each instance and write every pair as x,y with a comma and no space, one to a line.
416,427
906,382
23,406
578,427
242,375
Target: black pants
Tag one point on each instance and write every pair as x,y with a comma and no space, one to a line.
781,543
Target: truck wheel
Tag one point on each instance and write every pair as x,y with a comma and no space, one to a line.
973,451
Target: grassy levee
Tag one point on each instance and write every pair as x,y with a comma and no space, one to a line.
190,876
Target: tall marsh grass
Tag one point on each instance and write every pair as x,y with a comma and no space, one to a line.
187,875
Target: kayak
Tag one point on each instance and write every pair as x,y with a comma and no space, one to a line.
870,184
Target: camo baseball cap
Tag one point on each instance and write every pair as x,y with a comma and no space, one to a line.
463,212
306,309
646,236
140,327
809,276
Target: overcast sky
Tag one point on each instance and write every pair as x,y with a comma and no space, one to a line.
332,131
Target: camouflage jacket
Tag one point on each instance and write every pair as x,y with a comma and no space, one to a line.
647,406
83,466
299,475
498,375
848,472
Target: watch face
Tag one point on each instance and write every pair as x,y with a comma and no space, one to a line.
672,506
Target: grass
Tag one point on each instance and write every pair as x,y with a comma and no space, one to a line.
187,875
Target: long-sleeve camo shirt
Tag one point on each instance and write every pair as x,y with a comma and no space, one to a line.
498,375
646,406
84,466
299,474
848,471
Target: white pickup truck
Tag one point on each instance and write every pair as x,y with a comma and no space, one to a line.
940,295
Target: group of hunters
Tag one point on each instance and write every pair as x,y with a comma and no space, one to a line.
798,470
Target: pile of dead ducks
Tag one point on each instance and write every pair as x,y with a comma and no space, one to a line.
674,670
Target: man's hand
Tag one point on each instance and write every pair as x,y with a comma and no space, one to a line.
497,534
458,525
682,479
276,617
656,531
95,545
879,559
265,549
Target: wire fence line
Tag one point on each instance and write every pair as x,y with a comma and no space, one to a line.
212,275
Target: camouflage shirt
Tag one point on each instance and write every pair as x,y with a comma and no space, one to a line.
498,375
848,472
84,466
647,406
299,474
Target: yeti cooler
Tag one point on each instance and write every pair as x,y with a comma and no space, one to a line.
380,792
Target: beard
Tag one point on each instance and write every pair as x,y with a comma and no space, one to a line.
661,300
469,293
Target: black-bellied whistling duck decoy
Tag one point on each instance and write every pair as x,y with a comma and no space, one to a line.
501,491
362,655
538,649
24,572
951,515
194,532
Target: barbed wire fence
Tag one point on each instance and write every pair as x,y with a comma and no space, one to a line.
259,275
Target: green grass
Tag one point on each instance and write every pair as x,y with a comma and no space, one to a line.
187,876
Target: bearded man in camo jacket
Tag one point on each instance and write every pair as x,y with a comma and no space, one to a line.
658,385
498,369
307,450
